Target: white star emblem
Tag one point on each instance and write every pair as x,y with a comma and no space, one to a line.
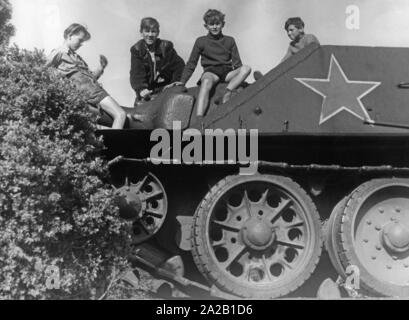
340,93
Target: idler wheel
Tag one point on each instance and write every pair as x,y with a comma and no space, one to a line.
143,203
373,235
129,203
256,236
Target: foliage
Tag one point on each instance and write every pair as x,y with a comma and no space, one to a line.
55,209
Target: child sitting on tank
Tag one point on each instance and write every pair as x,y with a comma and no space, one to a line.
220,60
154,62
70,64
299,40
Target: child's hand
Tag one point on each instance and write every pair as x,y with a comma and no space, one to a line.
103,61
174,84
145,94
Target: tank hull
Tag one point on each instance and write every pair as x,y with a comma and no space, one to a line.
332,162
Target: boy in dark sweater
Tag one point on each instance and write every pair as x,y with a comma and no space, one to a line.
220,60
299,40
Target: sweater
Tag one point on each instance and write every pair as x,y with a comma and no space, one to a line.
296,46
218,50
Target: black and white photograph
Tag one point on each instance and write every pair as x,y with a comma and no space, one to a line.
223,151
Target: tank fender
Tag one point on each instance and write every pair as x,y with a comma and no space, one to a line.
176,107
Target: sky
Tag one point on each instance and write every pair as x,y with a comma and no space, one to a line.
257,26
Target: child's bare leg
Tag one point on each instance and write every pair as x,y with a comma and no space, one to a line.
208,81
236,77
114,109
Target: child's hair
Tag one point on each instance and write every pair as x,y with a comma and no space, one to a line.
213,15
149,23
296,22
76,28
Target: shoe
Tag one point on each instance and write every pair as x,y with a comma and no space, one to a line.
257,75
101,127
139,117
227,96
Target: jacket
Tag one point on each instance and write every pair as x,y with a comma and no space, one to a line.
169,66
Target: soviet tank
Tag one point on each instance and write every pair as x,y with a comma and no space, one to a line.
332,175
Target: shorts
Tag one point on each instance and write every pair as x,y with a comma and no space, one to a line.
221,71
94,93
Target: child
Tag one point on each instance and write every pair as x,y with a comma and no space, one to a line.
154,62
70,64
299,40
220,60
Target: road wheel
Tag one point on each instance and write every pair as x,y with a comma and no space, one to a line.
374,236
257,236
331,236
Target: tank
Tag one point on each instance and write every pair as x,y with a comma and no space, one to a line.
331,179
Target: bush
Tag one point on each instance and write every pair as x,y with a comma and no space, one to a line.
54,208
